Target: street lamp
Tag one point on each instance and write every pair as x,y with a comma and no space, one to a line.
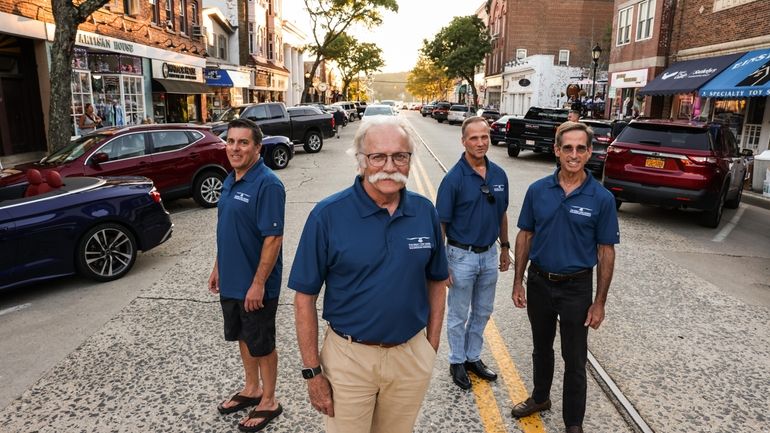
595,53
307,87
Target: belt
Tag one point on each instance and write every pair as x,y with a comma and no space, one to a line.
550,276
471,248
364,342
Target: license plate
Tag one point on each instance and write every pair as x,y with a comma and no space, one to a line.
532,142
655,162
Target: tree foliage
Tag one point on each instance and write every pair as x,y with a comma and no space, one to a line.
460,48
331,18
427,81
67,17
354,57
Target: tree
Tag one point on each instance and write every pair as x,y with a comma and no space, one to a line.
427,81
331,18
459,49
67,18
354,57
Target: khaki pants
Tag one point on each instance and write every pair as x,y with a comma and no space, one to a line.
376,390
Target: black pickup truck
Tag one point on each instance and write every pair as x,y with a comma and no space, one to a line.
536,131
306,125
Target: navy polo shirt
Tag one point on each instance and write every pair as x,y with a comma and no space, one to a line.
375,266
568,229
248,211
469,217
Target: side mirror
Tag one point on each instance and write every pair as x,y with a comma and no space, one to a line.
747,152
99,158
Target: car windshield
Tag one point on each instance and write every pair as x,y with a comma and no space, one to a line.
231,114
388,102
458,108
666,136
600,129
75,149
374,111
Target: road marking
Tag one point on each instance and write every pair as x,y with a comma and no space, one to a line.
416,176
488,410
511,377
421,170
722,235
14,309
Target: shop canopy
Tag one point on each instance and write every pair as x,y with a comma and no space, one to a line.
688,76
748,76
218,78
179,86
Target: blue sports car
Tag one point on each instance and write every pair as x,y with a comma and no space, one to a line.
93,226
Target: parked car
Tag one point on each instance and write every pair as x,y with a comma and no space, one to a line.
498,129
491,115
305,124
360,107
536,131
458,113
440,111
377,110
93,226
183,160
338,109
427,110
276,150
392,103
678,164
350,108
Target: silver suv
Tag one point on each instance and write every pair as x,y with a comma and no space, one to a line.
350,108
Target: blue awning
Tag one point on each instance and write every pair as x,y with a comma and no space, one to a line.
218,78
748,76
688,76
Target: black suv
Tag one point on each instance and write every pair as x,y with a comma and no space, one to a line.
441,111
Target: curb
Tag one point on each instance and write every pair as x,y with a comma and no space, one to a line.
756,199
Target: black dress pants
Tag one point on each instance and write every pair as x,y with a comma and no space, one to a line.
569,301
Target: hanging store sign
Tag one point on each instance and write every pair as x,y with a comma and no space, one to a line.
629,79
176,71
106,43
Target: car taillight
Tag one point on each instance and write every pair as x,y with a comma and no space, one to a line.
155,195
507,125
616,150
332,122
700,160
603,139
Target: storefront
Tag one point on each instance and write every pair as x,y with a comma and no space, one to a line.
493,90
178,92
623,98
270,82
226,89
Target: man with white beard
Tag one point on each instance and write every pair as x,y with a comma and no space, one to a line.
378,250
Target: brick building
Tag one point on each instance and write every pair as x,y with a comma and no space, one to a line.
566,29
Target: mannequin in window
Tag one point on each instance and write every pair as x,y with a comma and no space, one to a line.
115,114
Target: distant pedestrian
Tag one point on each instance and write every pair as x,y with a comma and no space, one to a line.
568,224
573,116
472,202
89,120
247,270
376,249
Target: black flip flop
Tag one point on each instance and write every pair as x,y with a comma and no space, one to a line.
268,416
243,403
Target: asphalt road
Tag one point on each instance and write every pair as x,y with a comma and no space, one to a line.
686,336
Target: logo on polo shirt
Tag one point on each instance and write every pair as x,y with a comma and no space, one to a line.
582,211
242,196
498,188
419,242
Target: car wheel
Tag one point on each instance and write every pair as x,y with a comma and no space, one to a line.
513,150
279,158
313,142
106,252
439,121
208,189
735,202
712,217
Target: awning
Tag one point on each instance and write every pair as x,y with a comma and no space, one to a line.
179,86
688,76
748,76
218,78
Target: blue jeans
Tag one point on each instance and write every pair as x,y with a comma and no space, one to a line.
470,301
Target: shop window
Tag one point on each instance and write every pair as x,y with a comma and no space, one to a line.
624,26
646,20
167,141
81,95
183,16
133,95
127,146
563,57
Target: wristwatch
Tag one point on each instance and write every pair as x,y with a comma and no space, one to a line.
309,373
505,245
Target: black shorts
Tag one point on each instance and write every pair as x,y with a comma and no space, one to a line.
255,328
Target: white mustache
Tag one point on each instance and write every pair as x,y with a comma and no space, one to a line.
381,175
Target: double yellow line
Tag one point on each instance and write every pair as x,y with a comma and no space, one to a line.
489,410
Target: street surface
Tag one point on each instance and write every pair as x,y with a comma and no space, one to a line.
686,338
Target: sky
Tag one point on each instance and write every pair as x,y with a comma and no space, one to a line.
401,34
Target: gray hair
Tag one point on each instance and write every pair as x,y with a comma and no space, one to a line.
360,137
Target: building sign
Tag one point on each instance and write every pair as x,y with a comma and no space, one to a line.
727,4
627,79
262,78
106,43
176,71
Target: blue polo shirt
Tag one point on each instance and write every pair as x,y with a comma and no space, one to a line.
375,266
248,211
568,229
469,217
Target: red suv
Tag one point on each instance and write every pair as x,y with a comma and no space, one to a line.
182,160
678,164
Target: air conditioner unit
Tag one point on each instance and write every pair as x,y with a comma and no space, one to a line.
170,25
197,31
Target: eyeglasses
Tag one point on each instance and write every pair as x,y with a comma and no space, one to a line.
568,148
490,197
399,159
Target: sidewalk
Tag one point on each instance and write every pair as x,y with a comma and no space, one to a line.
756,199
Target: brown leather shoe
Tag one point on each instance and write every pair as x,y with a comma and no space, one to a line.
528,407
574,429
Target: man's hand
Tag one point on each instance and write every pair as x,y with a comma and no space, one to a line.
214,281
254,298
595,315
505,259
449,281
320,391
518,295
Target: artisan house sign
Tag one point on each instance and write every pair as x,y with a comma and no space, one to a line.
106,43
